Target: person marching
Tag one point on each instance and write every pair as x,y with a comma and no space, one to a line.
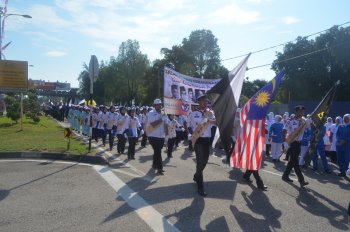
156,131
122,126
111,123
95,123
201,121
134,126
171,136
142,119
295,130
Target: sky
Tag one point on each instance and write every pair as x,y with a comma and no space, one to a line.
63,34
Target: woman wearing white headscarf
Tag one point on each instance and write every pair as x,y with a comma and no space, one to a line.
333,139
343,145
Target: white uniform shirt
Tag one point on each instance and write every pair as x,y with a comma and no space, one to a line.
292,126
94,119
153,116
122,123
134,124
101,120
197,117
111,120
172,126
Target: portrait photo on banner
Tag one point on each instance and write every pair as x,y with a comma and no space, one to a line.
181,91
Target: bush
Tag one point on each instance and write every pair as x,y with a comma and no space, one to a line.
13,108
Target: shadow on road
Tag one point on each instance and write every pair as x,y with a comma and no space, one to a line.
309,200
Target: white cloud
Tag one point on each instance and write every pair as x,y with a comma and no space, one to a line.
233,14
47,16
290,20
56,53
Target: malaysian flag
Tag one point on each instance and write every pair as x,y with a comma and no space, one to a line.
248,150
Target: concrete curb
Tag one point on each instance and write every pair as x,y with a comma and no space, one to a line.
54,156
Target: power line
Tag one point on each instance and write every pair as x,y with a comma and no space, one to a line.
303,55
275,46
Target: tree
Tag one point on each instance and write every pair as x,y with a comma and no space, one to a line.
197,56
312,66
13,108
132,65
202,47
31,105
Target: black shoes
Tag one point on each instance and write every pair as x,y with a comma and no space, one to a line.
202,193
247,179
341,174
287,179
304,183
262,187
160,172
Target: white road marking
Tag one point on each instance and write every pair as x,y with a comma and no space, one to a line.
115,159
146,212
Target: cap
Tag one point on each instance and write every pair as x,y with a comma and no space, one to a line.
300,107
201,96
157,102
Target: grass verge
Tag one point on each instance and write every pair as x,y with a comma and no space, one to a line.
45,136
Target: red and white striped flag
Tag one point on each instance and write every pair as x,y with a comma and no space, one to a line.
248,150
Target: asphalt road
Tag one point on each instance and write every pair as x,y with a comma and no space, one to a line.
128,196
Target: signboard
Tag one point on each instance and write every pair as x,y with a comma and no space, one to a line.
13,75
181,91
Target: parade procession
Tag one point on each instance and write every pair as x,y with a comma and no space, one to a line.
171,116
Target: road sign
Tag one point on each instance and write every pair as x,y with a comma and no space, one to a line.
13,75
93,68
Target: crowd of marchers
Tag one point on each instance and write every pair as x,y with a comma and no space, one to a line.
149,125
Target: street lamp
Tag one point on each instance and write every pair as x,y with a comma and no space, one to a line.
3,16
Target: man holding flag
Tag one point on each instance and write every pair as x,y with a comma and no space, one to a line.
248,150
295,131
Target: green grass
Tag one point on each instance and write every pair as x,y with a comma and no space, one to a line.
45,136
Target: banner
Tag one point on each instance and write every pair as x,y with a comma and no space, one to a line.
181,91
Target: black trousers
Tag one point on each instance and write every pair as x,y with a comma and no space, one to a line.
121,143
170,144
201,149
110,139
95,134
256,175
131,148
294,151
144,140
102,134
157,145
268,149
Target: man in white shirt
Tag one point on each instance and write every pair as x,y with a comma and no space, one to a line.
156,130
201,121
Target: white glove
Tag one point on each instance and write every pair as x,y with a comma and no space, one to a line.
189,136
166,139
142,132
183,129
125,135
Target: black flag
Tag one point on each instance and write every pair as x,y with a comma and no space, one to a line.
224,97
319,117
